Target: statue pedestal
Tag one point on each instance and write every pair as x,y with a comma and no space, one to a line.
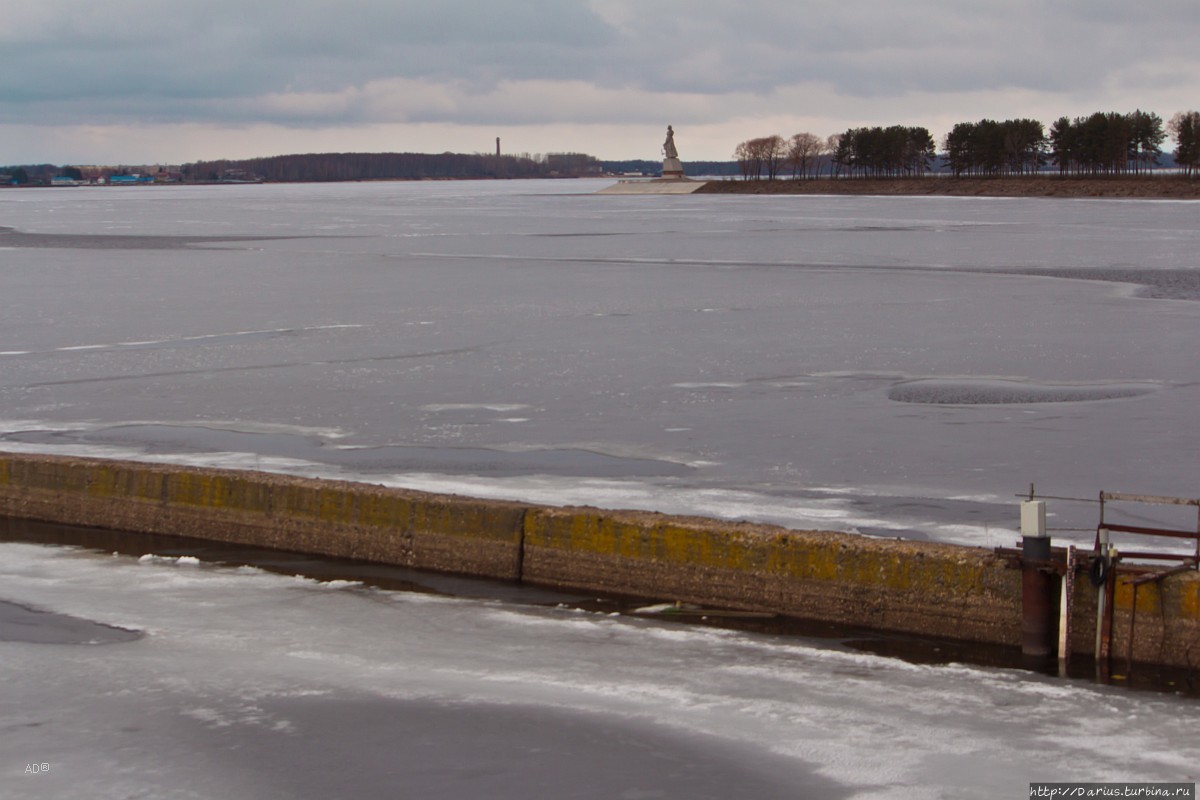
672,169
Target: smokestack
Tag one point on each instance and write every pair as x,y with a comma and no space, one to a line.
497,147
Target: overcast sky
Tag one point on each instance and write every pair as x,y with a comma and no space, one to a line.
145,81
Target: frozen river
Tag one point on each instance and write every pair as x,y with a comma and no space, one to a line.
893,366
900,366
248,685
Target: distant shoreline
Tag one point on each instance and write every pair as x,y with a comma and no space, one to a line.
1150,187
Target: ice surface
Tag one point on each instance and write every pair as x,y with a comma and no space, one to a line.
736,356
249,684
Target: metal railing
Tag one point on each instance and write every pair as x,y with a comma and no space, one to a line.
1107,559
1192,561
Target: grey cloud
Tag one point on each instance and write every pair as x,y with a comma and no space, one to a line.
224,49
227,60
867,49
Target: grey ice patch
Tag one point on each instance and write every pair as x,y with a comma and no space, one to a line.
20,623
938,391
208,339
444,750
156,439
14,239
1157,284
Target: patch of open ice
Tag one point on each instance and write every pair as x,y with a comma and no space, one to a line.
657,608
729,504
497,407
334,585
236,426
709,385
182,561
207,338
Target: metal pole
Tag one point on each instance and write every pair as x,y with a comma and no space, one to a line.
1101,595
1132,620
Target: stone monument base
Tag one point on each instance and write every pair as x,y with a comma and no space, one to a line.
655,186
672,169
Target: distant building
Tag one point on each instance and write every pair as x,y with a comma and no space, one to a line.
129,180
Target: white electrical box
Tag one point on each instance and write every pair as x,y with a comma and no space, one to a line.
1033,518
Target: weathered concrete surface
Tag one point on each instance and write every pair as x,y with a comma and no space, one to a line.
1166,623
932,589
654,186
336,518
920,588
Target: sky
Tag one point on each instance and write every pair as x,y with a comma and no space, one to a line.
173,81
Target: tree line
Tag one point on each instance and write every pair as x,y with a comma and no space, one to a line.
393,166
767,156
1099,144
892,152
869,152
1107,143
332,167
988,147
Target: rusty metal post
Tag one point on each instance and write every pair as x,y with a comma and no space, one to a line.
1106,622
1065,608
1037,584
1132,620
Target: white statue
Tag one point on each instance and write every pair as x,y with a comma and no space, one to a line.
669,145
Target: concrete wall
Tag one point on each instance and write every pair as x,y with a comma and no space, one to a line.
911,587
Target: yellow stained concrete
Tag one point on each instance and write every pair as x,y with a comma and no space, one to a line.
916,587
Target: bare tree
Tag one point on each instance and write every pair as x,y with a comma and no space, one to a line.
803,151
747,161
764,154
774,151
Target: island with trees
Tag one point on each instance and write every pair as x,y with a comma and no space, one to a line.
1105,154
